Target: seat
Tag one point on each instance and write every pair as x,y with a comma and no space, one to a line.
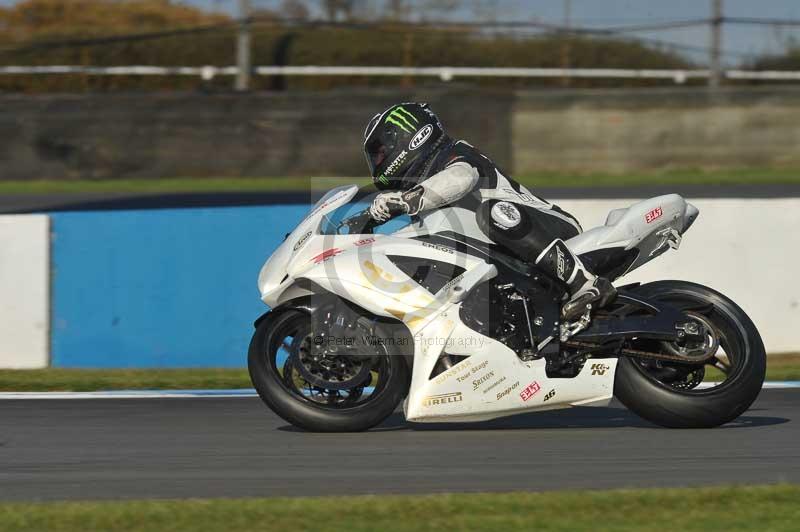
634,235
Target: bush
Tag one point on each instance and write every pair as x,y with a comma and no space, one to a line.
29,25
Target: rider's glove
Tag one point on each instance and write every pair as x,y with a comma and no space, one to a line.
387,205
390,204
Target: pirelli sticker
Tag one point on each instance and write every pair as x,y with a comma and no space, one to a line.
442,399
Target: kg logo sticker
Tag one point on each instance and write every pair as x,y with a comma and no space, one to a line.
600,369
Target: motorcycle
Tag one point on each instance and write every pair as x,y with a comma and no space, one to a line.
436,315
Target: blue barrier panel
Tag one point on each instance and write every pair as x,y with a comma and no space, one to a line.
156,288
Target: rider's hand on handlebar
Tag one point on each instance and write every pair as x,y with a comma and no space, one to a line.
388,205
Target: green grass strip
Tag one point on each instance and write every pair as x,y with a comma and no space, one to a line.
742,176
177,185
90,380
773,508
779,368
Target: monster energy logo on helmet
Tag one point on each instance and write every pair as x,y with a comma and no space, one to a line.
400,140
402,119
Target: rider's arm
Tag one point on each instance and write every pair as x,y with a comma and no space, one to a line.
443,188
448,186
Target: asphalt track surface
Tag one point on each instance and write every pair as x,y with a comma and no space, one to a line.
27,203
235,447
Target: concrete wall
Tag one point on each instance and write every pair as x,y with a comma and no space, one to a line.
177,287
24,291
170,288
115,136
614,131
747,249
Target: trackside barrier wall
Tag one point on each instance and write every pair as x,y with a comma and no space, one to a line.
161,287
24,291
178,287
152,135
746,249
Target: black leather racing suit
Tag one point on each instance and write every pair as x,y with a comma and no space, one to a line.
507,213
461,176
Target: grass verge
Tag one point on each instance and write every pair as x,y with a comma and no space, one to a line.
89,380
779,367
725,508
176,185
270,184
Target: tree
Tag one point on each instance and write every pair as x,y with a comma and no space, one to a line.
30,18
485,10
294,10
440,7
788,59
334,8
346,10
397,10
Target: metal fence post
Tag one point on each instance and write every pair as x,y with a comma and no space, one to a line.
243,60
715,65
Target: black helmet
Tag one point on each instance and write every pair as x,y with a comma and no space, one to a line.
398,141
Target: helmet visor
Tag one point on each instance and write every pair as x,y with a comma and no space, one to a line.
375,157
377,150
371,125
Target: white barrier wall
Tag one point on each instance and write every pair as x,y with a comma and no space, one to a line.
746,249
24,291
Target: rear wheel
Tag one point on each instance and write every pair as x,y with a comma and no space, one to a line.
319,388
670,394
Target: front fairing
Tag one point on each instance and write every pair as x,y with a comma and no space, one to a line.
274,274
319,231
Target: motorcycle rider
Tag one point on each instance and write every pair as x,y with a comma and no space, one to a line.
420,168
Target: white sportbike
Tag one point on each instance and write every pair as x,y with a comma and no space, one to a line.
436,314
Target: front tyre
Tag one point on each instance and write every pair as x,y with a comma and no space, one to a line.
320,391
669,394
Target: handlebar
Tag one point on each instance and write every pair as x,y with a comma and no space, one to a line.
361,223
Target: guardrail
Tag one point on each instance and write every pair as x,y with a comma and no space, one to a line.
445,73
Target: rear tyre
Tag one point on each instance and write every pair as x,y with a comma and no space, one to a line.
668,394
348,394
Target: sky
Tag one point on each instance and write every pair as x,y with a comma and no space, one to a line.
739,41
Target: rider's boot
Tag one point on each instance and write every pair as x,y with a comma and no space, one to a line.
584,287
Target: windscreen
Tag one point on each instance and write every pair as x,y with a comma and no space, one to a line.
332,222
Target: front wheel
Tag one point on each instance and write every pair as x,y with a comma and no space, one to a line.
670,394
322,388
